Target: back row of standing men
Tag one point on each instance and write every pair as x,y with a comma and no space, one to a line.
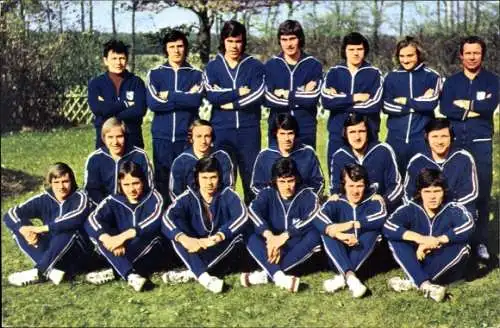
237,84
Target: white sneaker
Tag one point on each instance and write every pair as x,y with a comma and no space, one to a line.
482,252
334,284
24,278
177,277
248,279
400,285
436,292
355,286
213,284
100,277
136,281
290,283
56,276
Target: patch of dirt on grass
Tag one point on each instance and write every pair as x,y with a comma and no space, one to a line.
18,182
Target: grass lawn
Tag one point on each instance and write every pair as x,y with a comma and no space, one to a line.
77,303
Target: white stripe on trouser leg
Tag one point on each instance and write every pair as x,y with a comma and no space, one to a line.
186,263
257,260
369,253
147,249
308,255
22,249
401,263
224,253
61,254
453,262
330,255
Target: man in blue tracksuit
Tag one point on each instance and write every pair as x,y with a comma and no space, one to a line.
174,96
101,168
205,223
429,238
293,83
284,236
457,165
118,93
285,130
351,86
411,93
350,228
125,227
468,100
378,159
234,83
56,246
201,137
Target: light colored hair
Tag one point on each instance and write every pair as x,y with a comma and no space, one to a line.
57,170
110,123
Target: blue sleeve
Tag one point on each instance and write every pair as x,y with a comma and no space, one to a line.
178,178
238,215
175,218
487,105
427,105
104,107
372,105
338,102
322,219
227,171
258,212
468,190
462,225
335,170
309,212
272,100
392,177
390,92
217,96
186,100
138,109
316,180
446,105
410,181
147,168
257,88
154,102
375,217
73,219
261,175
150,225
101,220
308,99
93,184
397,224
20,215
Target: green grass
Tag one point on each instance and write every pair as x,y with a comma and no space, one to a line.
76,303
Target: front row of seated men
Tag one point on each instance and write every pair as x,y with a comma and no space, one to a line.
281,228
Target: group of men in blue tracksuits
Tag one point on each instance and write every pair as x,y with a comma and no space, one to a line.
425,190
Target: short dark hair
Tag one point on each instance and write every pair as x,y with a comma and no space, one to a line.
206,164
132,168
284,121
410,41
355,119
57,170
285,167
232,28
354,38
292,27
473,39
199,122
430,178
116,46
355,172
438,124
172,36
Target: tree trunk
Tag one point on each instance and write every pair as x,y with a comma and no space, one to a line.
458,15
438,5
451,15
61,28
401,18
132,61
113,18
377,21
91,16
204,36
290,9
478,17
82,15
338,16
48,11
466,7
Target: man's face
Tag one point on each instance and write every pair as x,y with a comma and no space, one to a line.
472,56
114,140
432,197
290,45
208,182
286,139
408,57
176,52
132,188
115,63
354,190
202,138
439,141
234,47
61,187
357,136
355,53
286,186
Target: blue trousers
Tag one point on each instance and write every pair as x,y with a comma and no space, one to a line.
51,250
200,262
243,145
449,259
346,258
405,151
164,153
295,251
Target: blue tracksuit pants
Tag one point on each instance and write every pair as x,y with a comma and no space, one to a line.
346,258
295,251
449,259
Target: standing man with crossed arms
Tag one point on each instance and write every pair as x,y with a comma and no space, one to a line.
468,100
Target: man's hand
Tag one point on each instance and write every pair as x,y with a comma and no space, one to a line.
130,103
163,95
273,245
334,197
243,91
282,93
360,97
379,198
428,242
462,103
331,91
99,98
227,106
192,245
422,251
400,100
29,235
194,89
119,251
428,93
310,86
347,238
472,114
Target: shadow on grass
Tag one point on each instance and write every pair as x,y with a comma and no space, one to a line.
18,182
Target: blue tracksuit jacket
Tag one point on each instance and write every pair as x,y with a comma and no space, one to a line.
182,172
301,104
407,122
222,88
101,171
116,214
367,79
380,162
305,158
105,103
459,169
186,215
268,212
174,115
